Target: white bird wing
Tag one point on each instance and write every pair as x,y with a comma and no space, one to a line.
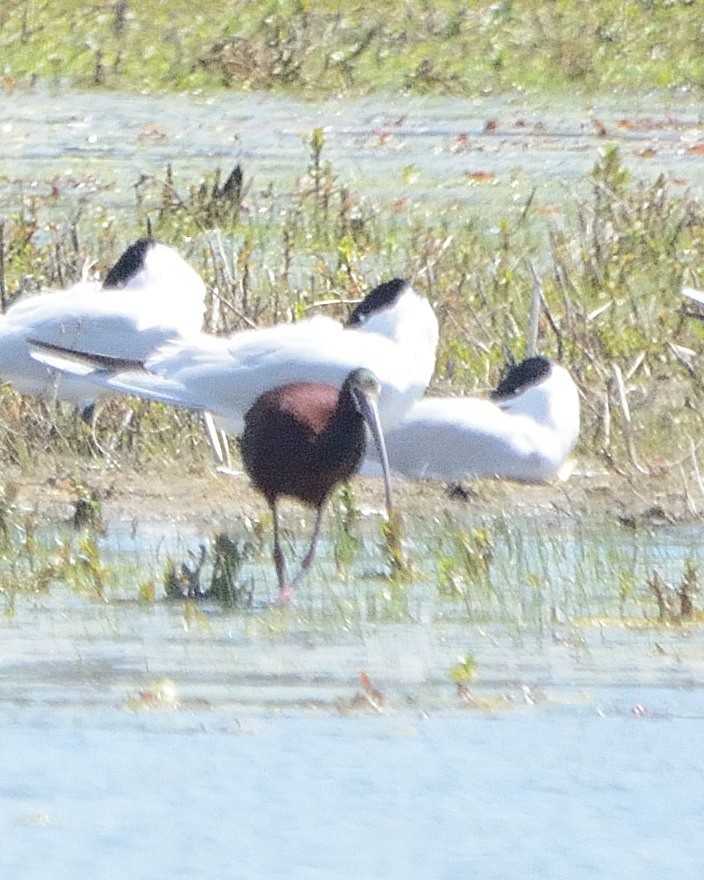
695,295
181,370
226,375
123,322
227,379
155,296
165,296
23,318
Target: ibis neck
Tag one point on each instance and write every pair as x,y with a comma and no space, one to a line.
345,428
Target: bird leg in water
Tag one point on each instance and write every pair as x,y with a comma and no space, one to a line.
310,552
285,591
286,587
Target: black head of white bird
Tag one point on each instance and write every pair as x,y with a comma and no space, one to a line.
545,393
518,377
393,309
131,262
385,296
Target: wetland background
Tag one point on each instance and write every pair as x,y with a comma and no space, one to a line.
541,656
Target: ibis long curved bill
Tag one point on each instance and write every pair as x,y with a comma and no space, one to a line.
366,401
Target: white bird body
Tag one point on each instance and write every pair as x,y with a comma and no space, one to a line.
526,437
225,375
155,297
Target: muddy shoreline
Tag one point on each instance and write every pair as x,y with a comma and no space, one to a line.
197,494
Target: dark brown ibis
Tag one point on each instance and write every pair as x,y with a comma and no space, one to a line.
301,439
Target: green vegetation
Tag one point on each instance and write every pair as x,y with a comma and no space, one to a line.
225,557
609,267
464,565
446,47
524,575
30,562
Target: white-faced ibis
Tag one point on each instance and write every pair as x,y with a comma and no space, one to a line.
524,432
303,438
393,332
150,296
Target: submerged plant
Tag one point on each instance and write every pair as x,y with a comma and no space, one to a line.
665,596
25,564
8,495
229,555
347,539
184,582
88,509
464,564
226,556
463,674
89,572
675,604
689,588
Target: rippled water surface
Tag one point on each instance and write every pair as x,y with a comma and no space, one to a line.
165,740
491,152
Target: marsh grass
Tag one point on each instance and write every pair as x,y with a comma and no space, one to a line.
609,270
395,550
447,47
532,576
529,577
347,541
464,565
676,603
32,561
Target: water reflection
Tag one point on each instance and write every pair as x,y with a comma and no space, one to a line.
332,734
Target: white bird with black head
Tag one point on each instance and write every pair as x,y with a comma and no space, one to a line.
525,432
150,296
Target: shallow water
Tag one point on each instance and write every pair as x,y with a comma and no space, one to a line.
550,795
489,152
162,740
